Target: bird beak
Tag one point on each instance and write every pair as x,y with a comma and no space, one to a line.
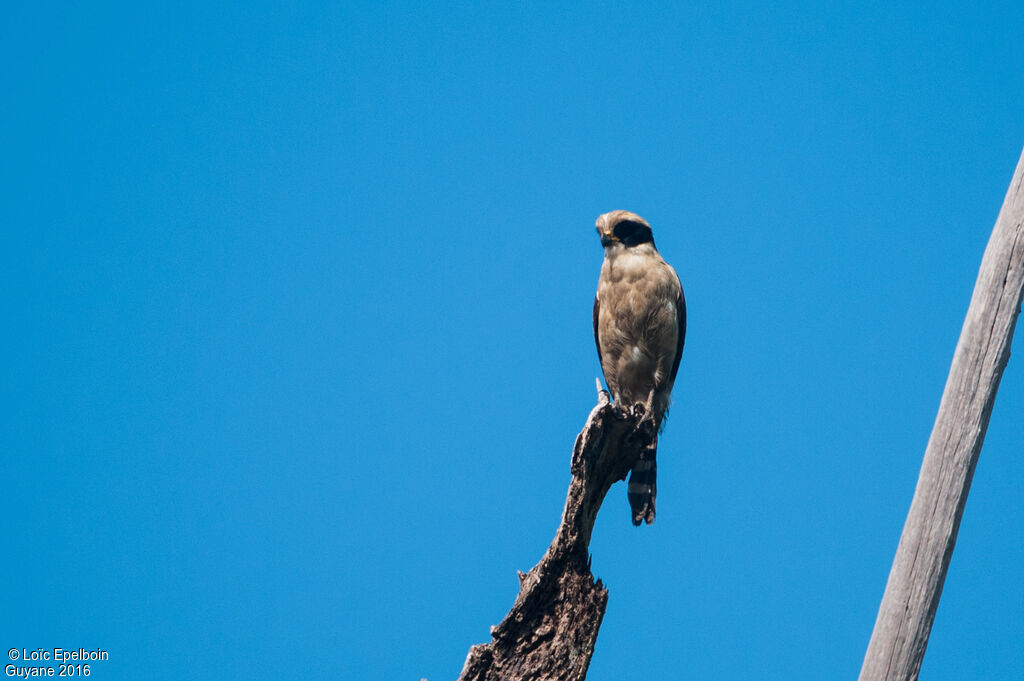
607,239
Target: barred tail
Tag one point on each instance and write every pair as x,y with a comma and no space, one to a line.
643,485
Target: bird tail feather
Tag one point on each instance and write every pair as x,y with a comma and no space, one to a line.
643,485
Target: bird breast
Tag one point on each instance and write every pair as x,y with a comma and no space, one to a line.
638,323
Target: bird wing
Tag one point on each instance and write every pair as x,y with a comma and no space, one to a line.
681,310
597,341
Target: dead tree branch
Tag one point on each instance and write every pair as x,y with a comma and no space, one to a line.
915,582
551,630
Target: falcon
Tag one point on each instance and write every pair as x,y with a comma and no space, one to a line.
639,327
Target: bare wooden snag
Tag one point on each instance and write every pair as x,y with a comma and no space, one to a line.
915,581
550,632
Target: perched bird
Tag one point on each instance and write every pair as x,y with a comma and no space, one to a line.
639,327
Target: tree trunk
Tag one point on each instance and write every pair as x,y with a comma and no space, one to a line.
550,632
915,582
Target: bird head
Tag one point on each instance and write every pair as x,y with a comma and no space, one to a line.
625,228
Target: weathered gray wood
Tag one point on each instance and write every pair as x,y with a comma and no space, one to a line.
915,581
550,632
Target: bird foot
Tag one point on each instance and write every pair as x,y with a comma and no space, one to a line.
643,414
644,427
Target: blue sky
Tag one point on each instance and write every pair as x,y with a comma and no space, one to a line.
299,329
